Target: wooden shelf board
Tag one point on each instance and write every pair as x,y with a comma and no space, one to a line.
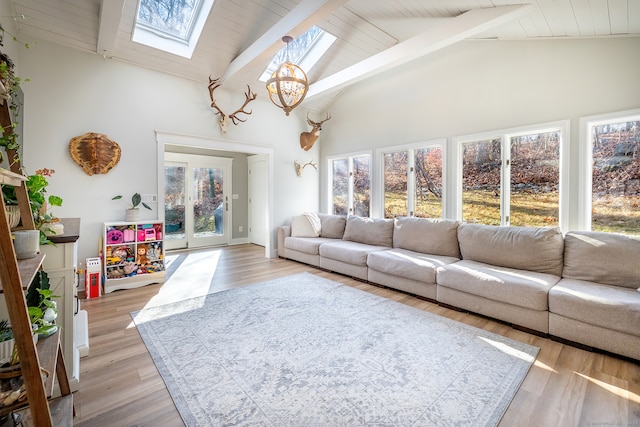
10,178
48,353
28,269
61,409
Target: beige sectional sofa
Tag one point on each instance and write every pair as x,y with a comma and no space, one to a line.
582,287
597,302
505,273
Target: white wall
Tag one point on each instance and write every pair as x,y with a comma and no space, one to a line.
71,92
478,86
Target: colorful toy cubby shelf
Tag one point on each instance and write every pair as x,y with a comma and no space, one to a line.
133,254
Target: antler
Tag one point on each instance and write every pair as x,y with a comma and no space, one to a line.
213,85
318,124
300,167
249,96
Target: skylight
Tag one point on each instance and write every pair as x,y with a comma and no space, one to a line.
171,25
304,51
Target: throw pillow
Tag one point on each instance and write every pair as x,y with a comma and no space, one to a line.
314,220
332,225
301,227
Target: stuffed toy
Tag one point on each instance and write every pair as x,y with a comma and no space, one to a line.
141,258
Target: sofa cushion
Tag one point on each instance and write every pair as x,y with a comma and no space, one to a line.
408,264
608,306
301,226
372,231
308,245
332,226
537,249
608,258
354,253
522,288
427,235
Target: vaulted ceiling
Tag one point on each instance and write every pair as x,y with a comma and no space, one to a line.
241,36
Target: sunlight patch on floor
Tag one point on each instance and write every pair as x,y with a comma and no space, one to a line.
617,391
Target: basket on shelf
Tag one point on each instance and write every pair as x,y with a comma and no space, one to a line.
13,215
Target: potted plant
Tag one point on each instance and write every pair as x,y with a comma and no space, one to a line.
43,310
40,202
6,342
133,213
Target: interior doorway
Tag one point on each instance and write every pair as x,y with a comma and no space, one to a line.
197,209
166,139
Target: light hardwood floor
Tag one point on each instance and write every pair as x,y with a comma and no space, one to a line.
120,386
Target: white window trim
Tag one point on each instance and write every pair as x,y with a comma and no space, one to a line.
329,175
505,135
585,160
377,205
173,45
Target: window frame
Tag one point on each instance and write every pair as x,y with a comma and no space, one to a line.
170,43
329,173
378,211
505,135
585,161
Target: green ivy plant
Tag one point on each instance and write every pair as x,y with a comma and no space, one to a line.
11,83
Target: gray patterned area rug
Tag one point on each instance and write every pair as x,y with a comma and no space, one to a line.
306,351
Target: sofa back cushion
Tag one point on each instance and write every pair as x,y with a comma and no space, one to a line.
607,258
332,226
372,231
433,236
525,248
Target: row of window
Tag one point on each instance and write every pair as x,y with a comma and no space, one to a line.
514,177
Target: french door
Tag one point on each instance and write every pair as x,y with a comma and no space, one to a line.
196,207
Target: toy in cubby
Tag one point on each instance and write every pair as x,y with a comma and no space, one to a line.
154,251
116,255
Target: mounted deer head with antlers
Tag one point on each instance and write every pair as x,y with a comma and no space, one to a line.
224,118
307,139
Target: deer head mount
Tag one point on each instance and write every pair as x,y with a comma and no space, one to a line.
307,139
224,118
300,167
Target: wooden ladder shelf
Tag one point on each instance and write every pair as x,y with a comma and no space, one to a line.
46,357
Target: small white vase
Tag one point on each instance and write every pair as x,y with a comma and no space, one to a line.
26,243
132,215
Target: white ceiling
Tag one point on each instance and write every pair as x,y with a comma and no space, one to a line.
241,36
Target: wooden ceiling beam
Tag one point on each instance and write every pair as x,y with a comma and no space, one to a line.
443,33
110,16
297,21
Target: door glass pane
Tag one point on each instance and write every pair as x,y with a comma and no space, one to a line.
428,191
208,204
481,162
174,198
340,186
535,178
395,184
361,185
616,177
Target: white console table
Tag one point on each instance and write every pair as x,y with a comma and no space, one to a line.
61,264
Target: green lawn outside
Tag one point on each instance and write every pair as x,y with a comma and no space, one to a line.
611,214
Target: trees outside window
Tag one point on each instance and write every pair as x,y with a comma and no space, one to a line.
413,182
512,179
615,175
350,185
